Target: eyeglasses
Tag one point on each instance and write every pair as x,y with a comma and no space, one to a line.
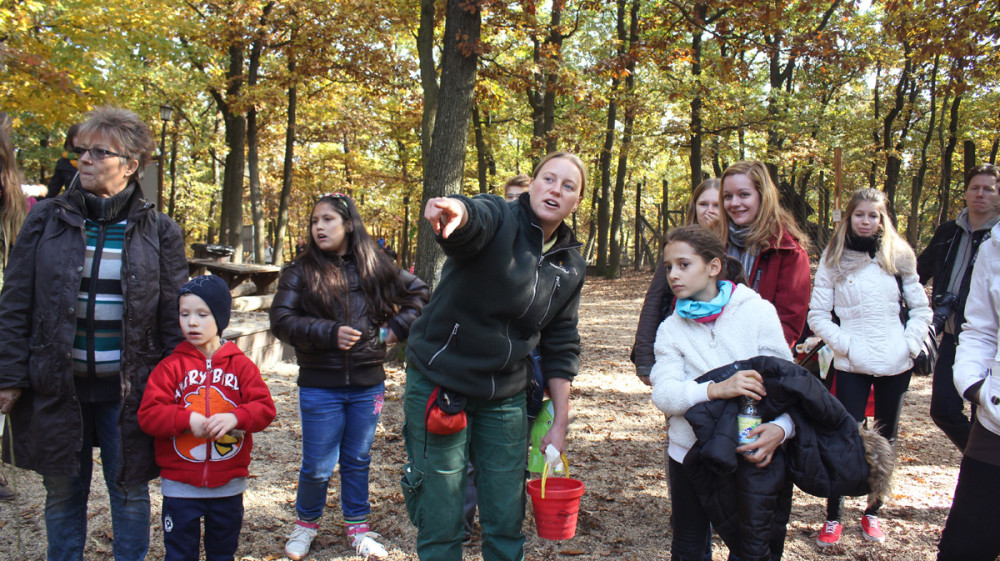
96,153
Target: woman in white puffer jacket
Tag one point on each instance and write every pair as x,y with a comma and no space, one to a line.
857,281
970,533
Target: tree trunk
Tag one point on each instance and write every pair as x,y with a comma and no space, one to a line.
696,124
627,41
913,224
256,201
173,174
428,78
543,100
481,151
969,153
287,165
946,158
446,164
893,154
236,134
872,171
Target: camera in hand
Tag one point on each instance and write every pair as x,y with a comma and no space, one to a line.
944,305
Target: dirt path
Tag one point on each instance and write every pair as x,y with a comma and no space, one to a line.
615,447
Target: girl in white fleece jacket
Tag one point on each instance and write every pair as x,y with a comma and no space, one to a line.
971,531
859,278
715,322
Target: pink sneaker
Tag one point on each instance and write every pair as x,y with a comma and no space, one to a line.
871,530
830,534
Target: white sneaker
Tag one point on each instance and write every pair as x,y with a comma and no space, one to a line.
299,541
366,546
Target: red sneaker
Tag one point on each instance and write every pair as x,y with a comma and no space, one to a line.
871,530
830,534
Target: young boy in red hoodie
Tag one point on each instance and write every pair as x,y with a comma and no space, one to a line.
201,403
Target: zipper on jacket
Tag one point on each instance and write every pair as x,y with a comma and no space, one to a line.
454,330
347,353
552,296
207,384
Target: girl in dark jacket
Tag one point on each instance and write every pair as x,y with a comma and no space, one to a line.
764,237
703,210
340,304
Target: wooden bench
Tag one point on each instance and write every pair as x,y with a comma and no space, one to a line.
262,276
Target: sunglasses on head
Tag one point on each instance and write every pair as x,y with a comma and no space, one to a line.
96,153
335,196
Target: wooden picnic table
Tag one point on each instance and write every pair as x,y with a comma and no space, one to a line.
262,276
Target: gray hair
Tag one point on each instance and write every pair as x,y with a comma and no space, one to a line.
125,129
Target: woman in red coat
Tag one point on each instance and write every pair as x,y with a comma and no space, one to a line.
764,237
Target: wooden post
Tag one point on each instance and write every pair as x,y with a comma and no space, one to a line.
637,252
838,179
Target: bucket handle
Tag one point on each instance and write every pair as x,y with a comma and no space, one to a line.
545,472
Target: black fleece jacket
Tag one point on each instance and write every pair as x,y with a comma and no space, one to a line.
499,297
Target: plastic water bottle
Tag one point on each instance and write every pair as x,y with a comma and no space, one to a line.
747,419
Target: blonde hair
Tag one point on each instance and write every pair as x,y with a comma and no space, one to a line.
706,185
772,220
12,205
574,159
891,246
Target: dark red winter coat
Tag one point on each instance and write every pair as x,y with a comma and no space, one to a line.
781,276
187,382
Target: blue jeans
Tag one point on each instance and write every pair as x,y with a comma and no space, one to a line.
66,497
338,426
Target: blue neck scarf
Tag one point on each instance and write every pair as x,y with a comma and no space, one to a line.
703,312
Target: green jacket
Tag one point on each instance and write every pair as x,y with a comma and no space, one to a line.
499,297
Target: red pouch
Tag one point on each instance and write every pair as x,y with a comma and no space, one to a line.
445,413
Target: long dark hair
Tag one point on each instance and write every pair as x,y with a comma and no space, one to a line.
326,287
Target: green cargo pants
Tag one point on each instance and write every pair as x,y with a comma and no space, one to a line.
434,478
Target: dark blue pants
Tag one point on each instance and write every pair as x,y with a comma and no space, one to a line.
947,407
182,527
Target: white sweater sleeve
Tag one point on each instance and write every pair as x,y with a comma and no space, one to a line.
977,344
920,313
820,316
673,392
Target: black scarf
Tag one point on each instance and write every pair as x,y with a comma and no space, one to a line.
108,209
868,244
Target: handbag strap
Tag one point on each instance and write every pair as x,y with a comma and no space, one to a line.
904,308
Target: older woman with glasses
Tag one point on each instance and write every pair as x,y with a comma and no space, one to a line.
88,308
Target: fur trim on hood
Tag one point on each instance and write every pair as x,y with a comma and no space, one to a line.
853,261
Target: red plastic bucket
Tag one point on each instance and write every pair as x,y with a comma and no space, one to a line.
555,515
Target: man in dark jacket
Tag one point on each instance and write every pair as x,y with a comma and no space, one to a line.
948,260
